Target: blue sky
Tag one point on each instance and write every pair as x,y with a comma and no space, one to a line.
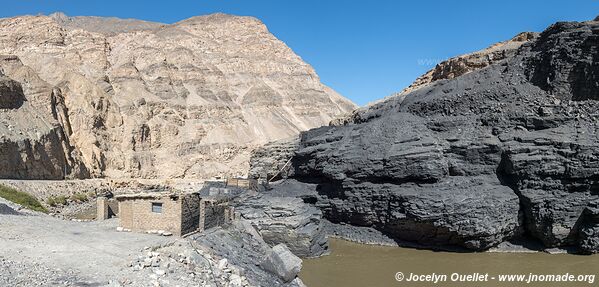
365,50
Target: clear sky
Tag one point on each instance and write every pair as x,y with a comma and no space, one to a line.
365,50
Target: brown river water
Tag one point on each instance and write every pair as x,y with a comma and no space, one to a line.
352,264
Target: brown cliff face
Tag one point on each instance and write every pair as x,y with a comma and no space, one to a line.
128,98
33,127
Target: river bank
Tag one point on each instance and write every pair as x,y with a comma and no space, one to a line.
371,236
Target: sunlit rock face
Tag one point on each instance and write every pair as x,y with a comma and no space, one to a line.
128,98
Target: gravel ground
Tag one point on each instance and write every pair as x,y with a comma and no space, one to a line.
40,250
15,273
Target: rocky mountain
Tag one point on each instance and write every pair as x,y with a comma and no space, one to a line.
105,97
505,150
449,69
463,64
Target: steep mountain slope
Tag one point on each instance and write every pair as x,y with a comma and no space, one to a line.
476,159
33,133
142,99
449,69
463,64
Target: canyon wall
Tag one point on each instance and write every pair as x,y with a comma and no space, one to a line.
107,97
504,150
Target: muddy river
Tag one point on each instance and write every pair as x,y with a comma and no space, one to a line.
353,264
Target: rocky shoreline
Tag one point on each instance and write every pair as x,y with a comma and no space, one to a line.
286,194
371,236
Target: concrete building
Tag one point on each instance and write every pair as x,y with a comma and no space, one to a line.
178,213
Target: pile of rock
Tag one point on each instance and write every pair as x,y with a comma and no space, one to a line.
182,264
14,273
244,248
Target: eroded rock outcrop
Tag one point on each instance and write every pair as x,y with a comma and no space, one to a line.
473,160
286,220
463,64
272,161
34,127
589,229
245,250
11,93
132,98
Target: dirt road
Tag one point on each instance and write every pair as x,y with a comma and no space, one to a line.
81,253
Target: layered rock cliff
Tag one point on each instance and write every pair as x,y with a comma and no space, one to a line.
127,98
33,131
505,150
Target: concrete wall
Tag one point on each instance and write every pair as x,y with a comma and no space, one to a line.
136,214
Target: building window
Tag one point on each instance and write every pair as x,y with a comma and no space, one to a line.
157,207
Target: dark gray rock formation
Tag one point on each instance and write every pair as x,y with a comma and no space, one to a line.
508,149
272,161
565,61
589,229
281,262
360,234
286,220
452,68
246,249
